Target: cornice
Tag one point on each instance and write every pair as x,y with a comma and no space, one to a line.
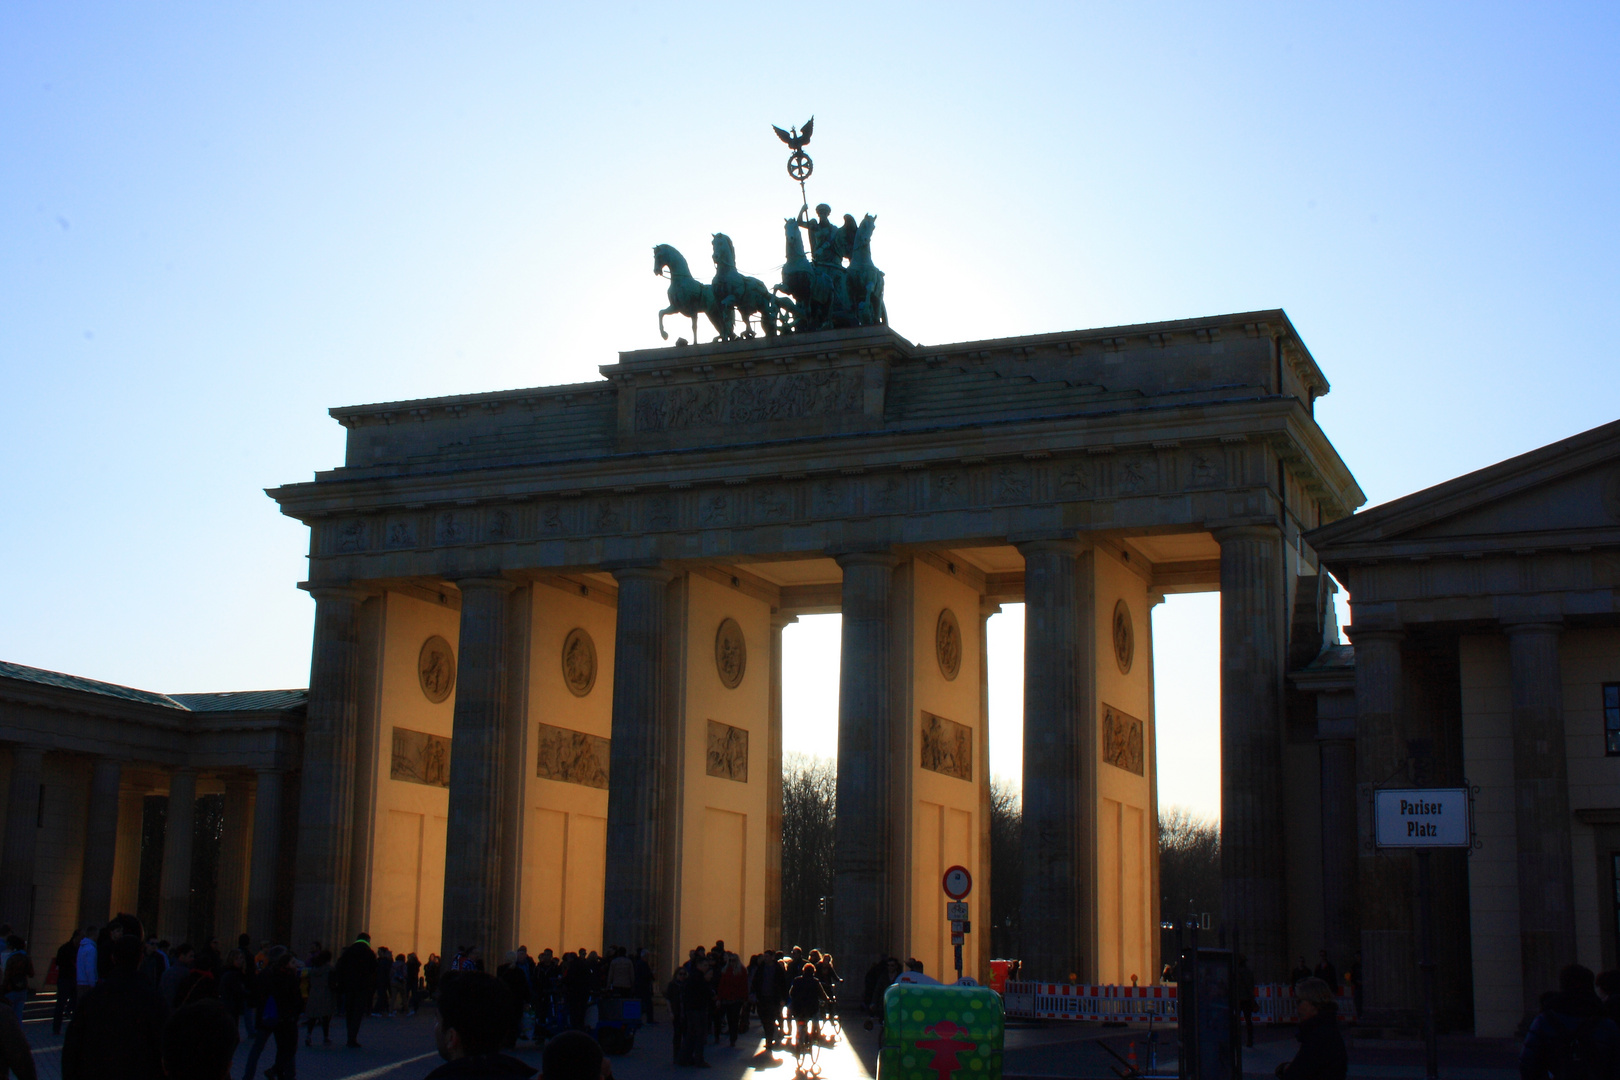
1377,526
1280,420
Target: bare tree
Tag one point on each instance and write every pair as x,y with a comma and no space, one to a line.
809,812
1006,866
1189,870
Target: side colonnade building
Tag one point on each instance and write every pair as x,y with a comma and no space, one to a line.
87,768
545,698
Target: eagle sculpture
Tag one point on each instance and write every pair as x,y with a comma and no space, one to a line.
799,136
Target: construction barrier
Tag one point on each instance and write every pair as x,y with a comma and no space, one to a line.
1274,1003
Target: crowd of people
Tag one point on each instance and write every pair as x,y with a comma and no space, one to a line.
132,1007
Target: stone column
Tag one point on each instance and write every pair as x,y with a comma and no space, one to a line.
1337,754
987,909
265,866
174,887
636,910
326,798
1386,896
773,788
100,843
1253,885
472,861
230,889
22,831
863,928
1059,916
515,765
1541,808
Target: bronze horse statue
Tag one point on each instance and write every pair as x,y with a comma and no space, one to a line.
734,291
865,281
687,295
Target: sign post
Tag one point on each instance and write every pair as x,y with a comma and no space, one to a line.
957,884
1422,819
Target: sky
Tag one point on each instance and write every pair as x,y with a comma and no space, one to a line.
217,221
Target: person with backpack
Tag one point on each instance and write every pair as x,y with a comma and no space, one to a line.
1571,1038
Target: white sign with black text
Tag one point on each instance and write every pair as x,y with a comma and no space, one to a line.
1422,817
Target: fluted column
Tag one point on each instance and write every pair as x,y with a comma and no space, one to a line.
100,842
1252,845
326,799
515,766
773,788
264,867
1541,808
1059,915
863,929
472,862
22,831
1338,809
174,888
230,888
640,781
987,912
1386,893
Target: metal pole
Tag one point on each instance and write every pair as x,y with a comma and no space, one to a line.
1431,1045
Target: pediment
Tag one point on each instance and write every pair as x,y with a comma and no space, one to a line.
1567,492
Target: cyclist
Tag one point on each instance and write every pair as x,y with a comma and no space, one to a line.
806,997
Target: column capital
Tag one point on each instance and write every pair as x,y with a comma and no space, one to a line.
988,607
1225,533
1513,627
779,619
336,590
880,557
1063,545
1360,632
485,584
650,572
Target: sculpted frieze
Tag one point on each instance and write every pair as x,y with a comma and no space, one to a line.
401,533
351,535
856,494
748,401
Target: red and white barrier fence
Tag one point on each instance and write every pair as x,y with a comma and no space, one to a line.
1274,1003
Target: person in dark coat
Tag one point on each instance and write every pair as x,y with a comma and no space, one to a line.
118,1025
1321,1053
675,993
67,981
199,1041
697,1005
355,976
16,1058
476,1011
1571,1038
1247,1003
576,987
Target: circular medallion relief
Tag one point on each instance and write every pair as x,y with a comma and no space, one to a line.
948,644
1124,637
730,653
436,669
579,661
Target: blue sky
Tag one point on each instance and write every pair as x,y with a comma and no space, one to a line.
216,221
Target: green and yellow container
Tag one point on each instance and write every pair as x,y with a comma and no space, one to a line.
941,1033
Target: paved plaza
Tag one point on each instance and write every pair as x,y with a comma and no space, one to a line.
401,1048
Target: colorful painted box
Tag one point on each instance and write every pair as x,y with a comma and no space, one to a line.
941,1033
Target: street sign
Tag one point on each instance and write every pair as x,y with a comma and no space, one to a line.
957,939
1421,818
956,909
958,883
961,926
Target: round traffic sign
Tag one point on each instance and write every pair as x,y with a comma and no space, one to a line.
958,882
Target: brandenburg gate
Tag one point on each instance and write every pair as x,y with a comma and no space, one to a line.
545,696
